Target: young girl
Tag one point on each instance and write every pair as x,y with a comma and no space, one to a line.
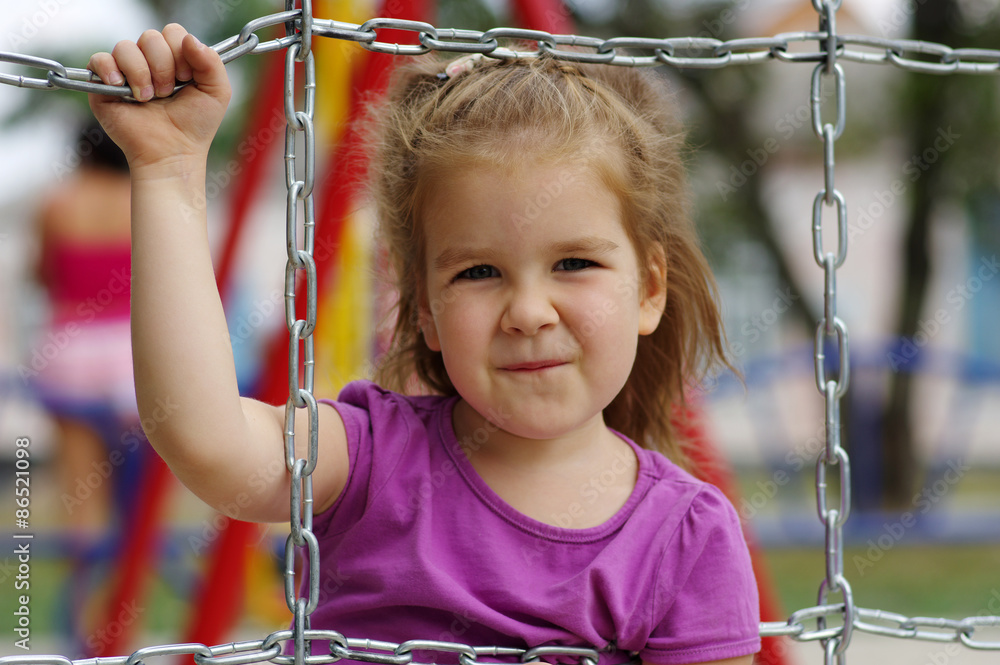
553,306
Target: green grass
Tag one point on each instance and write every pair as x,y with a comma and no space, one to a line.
51,599
949,581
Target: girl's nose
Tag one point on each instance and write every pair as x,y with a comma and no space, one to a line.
529,309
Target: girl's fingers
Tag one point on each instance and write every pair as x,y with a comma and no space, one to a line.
159,61
152,65
132,63
103,64
174,35
207,68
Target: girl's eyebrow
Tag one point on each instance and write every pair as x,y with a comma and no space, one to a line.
452,257
586,245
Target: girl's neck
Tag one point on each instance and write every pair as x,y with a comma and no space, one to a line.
590,469
482,439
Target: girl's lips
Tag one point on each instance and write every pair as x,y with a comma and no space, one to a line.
531,366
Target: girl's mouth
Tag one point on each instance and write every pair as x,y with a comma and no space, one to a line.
533,365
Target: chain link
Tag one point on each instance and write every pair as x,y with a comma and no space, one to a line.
299,183
804,625
833,519
686,52
698,53
418,27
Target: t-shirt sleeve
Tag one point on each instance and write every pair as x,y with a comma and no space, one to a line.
369,414
706,606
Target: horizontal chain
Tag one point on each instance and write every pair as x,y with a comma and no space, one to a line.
824,47
802,626
883,623
683,52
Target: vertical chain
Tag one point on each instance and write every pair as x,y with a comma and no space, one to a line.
831,326
300,331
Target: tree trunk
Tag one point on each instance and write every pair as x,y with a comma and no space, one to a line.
929,109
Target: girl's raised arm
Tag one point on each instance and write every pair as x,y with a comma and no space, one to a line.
228,450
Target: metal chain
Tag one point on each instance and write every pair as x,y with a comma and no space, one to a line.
332,646
300,331
686,52
830,325
883,623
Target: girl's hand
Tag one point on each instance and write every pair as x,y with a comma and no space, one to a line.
163,130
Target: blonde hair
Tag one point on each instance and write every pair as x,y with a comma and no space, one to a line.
507,113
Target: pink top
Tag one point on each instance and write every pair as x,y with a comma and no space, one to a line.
88,282
419,547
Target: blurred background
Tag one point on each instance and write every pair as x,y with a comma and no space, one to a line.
123,556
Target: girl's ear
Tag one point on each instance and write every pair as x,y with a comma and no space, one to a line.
654,296
429,330
427,325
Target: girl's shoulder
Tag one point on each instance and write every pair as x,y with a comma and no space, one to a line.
376,417
693,502
662,470
366,396
386,432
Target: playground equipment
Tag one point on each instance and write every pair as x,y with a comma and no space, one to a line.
835,617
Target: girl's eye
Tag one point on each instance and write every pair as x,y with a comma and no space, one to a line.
574,264
478,272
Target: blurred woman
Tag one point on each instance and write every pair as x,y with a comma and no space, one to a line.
85,378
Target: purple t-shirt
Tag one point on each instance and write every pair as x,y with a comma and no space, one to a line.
419,547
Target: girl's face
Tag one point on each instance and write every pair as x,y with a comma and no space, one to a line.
534,295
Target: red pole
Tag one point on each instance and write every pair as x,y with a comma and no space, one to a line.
549,15
265,131
113,637
217,609
220,597
336,191
710,467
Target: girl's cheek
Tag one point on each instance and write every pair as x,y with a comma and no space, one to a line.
443,300
597,306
